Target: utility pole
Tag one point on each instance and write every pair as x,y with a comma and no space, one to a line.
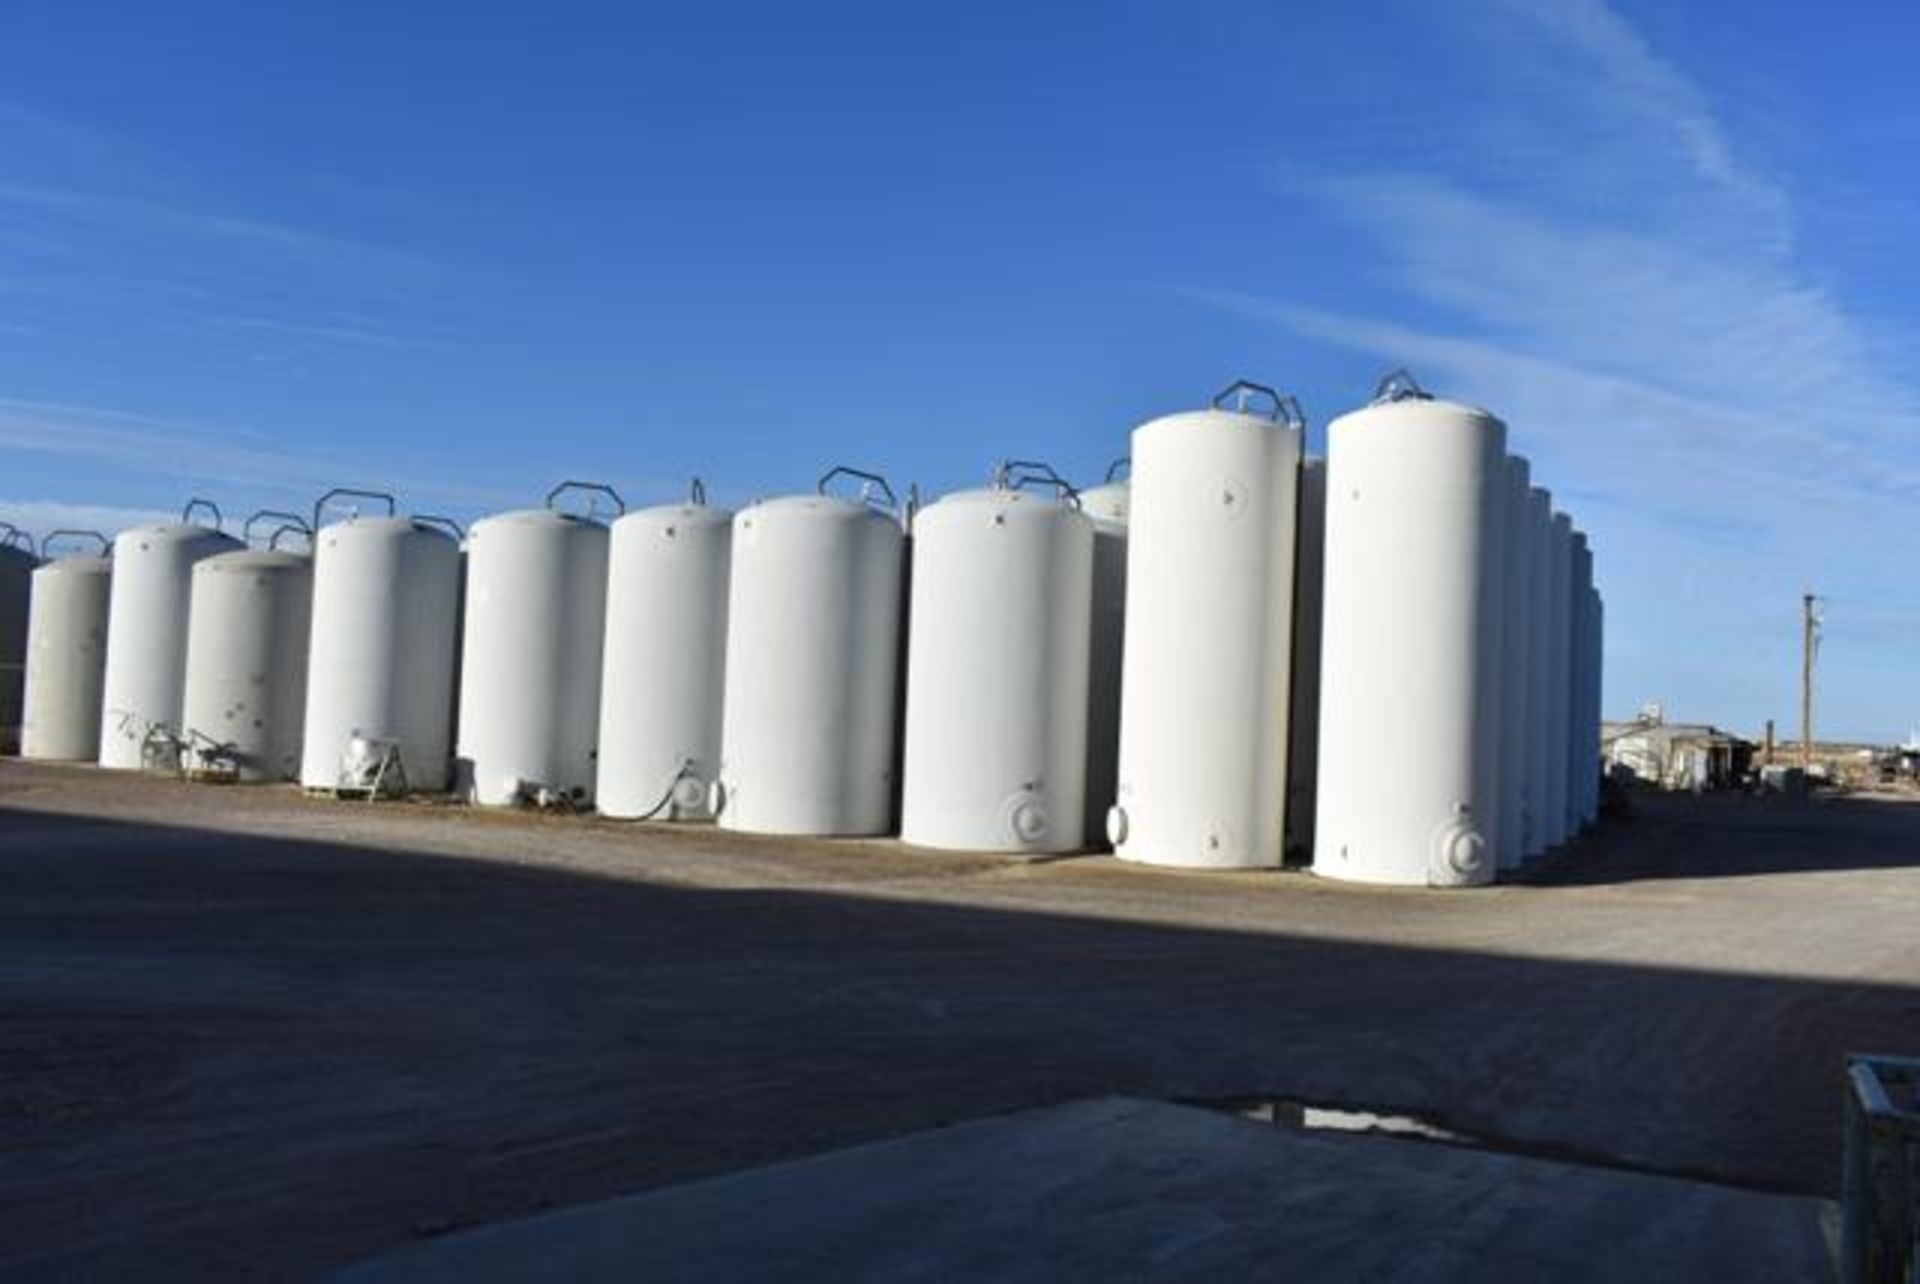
1809,644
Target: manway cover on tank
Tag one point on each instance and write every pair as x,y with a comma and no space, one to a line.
17,563
1203,717
147,635
530,663
386,625
67,654
1409,753
664,669
246,684
996,739
813,629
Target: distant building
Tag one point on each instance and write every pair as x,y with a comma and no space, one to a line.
1692,756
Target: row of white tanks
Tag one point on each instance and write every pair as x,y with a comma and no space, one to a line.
1459,667
1388,658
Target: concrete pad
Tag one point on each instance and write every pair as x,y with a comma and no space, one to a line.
1117,1189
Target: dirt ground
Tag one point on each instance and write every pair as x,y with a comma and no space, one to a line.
246,1034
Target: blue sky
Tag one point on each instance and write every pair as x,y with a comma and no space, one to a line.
465,250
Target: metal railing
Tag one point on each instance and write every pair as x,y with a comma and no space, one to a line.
1880,1184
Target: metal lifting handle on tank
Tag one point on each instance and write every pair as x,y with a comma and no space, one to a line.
1018,474
286,520
297,527
1124,464
1283,408
458,531
1399,385
591,488
349,492
194,505
16,537
46,541
871,482
697,493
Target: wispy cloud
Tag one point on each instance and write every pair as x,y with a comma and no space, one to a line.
198,457
309,247
44,516
360,335
1623,285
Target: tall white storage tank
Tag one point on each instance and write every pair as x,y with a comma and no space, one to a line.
147,632
813,644
1203,713
246,687
386,624
1303,711
1580,737
1539,665
664,671
1560,665
996,731
1516,649
67,654
17,563
1409,744
1596,692
530,675
1106,507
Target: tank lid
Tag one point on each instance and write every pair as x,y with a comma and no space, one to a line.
78,564
534,517
46,541
837,505
1108,502
589,489
349,492
176,532
1245,395
1032,474
252,559
998,497
874,489
12,536
690,512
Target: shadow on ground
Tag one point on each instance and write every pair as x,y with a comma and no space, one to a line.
1684,837
223,1054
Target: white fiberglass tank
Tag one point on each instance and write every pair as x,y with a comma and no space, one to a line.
67,654
1559,672
996,729
530,664
1596,691
380,673
1303,700
664,670
1106,507
17,564
147,635
1539,675
1203,714
246,688
1516,650
1580,736
1409,742
813,650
